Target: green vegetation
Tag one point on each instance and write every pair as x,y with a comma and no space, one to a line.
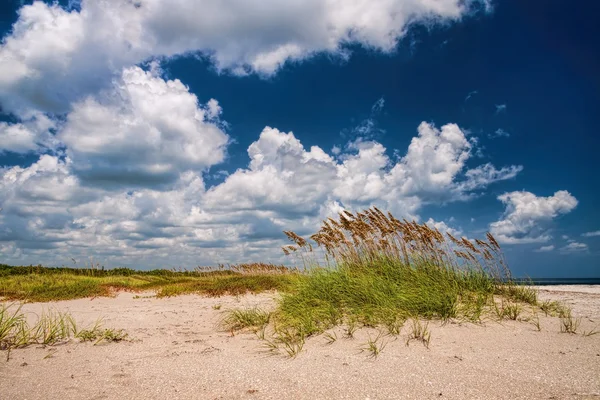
248,318
50,328
419,331
386,271
378,272
48,284
375,346
569,324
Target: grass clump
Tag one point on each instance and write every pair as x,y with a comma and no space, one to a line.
50,328
569,324
379,271
375,346
238,319
419,331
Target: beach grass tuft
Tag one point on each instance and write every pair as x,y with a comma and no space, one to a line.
380,271
237,319
50,328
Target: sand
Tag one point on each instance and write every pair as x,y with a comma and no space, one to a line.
177,352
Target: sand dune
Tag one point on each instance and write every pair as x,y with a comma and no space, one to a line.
177,352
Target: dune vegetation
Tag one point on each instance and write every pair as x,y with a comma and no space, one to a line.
364,269
380,272
37,283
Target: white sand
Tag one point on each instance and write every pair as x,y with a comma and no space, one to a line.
178,353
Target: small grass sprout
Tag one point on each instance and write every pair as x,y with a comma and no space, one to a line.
420,332
375,346
288,339
351,328
569,324
111,335
330,337
591,332
535,320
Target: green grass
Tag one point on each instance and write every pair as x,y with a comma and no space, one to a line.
374,346
219,285
569,324
420,332
50,328
245,318
51,284
380,272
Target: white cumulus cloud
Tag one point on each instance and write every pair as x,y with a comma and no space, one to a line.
50,204
55,56
143,131
525,215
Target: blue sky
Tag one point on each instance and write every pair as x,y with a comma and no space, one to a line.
160,133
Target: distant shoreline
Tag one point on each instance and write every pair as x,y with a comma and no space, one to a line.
559,281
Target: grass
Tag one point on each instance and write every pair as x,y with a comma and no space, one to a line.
238,319
50,328
375,346
381,271
51,284
420,332
569,324
507,309
376,271
591,332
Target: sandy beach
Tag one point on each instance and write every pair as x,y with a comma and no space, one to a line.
176,351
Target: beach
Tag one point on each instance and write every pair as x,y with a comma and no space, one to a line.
176,350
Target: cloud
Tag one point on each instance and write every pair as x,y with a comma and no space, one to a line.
574,247
50,204
498,133
471,94
443,227
55,56
144,131
545,249
525,215
591,234
368,128
500,108
34,134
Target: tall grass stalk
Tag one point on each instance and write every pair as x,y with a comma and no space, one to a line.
382,270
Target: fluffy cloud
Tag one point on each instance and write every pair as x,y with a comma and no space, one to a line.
574,247
434,162
526,213
283,175
443,227
33,134
54,56
144,131
285,186
545,249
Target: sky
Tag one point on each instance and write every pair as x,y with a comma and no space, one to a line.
177,133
